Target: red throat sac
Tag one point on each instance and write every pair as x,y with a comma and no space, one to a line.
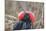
31,16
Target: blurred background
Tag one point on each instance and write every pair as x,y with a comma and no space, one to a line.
12,8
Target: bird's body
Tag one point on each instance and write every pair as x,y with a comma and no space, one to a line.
25,20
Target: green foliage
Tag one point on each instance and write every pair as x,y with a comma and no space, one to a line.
20,8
